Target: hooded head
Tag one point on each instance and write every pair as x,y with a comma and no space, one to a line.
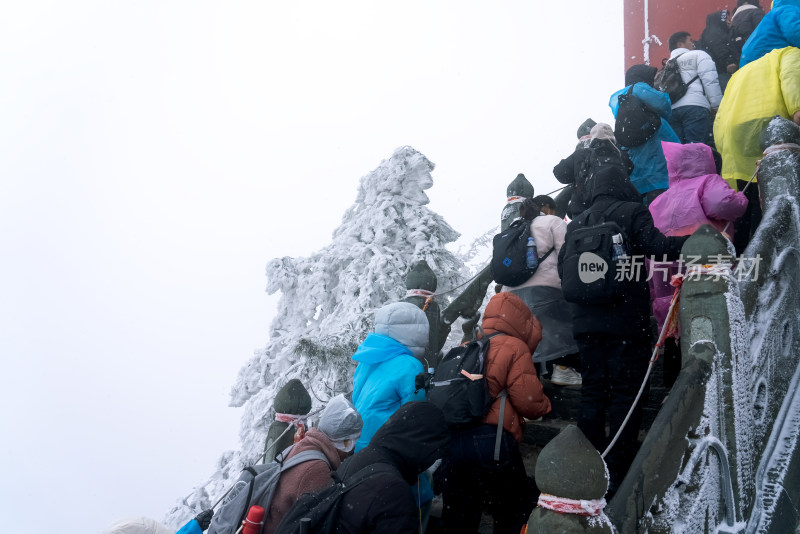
414,437
507,313
601,130
406,324
611,181
640,73
341,422
688,161
602,140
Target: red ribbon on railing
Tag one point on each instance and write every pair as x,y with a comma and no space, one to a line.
562,505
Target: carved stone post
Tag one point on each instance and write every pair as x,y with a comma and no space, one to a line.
705,316
518,190
779,171
420,285
292,399
573,480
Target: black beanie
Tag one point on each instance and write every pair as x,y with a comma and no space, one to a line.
640,73
585,128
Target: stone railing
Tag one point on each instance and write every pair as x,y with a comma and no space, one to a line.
729,429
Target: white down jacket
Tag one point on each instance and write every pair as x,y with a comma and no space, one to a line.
704,92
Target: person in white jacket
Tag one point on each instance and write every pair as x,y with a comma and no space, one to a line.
692,115
542,293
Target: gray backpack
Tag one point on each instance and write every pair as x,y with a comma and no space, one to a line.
256,485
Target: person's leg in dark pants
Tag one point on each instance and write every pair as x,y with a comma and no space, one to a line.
627,365
676,123
595,391
507,489
694,124
502,485
461,487
746,225
613,371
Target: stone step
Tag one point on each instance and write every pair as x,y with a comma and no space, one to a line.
565,401
539,433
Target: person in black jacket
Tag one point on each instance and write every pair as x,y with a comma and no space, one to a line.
595,153
410,441
744,21
715,41
614,338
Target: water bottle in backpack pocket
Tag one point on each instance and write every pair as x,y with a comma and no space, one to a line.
594,252
256,485
514,254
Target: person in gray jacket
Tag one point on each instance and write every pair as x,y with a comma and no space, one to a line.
692,115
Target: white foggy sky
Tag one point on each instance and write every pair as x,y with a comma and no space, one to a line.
155,155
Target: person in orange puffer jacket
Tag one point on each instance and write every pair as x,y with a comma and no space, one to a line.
471,477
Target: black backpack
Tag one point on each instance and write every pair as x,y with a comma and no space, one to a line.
509,251
256,485
459,386
668,80
318,512
589,275
636,122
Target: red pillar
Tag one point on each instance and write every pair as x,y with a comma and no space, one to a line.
665,17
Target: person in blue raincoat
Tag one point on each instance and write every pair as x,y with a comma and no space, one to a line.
198,524
778,29
145,525
389,360
649,176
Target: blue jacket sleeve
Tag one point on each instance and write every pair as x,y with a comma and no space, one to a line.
789,25
613,103
192,527
405,381
655,99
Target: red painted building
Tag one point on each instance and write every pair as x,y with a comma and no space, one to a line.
649,23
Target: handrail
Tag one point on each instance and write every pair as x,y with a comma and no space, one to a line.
725,473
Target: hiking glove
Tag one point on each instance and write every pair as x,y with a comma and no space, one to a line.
204,518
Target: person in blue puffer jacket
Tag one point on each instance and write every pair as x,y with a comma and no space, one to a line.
388,361
778,29
649,176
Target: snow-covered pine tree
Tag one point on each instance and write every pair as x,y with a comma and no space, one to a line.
328,300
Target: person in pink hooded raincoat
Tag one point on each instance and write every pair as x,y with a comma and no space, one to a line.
697,195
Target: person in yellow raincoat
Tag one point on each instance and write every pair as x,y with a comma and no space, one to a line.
756,93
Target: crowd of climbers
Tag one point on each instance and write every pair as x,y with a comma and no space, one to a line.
690,171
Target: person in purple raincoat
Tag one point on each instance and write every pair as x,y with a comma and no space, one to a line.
697,195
